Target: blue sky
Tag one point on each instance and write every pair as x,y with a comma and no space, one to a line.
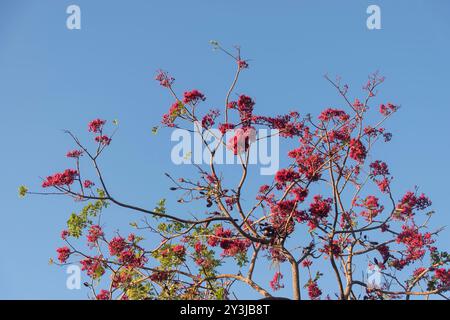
52,78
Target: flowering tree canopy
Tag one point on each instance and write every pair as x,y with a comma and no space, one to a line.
327,211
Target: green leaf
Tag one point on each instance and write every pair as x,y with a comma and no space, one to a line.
22,191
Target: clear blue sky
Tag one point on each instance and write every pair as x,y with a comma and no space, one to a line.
52,78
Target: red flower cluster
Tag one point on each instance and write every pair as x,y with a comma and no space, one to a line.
95,232
63,254
174,111
74,154
125,253
164,79
283,176
314,292
309,163
210,118
300,194
384,252
386,110
179,250
242,64
64,234
159,276
65,178
285,124
228,242
96,125
283,214
93,267
104,140
372,206
340,135
358,151
277,255
318,210
409,203
245,106
357,104
117,245
88,184
275,283
224,127
443,275
103,295
320,207
332,248
193,97
333,114
306,263
129,258
415,243
380,169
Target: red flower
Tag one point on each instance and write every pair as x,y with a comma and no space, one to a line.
415,243
104,140
379,168
103,295
74,154
443,275
300,194
63,254
306,263
60,179
117,245
199,247
95,232
283,176
287,125
386,110
264,188
209,119
374,208
179,250
159,276
64,234
333,248
88,184
309,163
242,64
357,104
275,283
175,110
230,244
193,97
245,106
93,266
358,151
224,127
314,292
320,207
96,125
130,258
384,251
333,114
164,79
383,185
408,203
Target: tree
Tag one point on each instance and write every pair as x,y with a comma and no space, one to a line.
331,204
